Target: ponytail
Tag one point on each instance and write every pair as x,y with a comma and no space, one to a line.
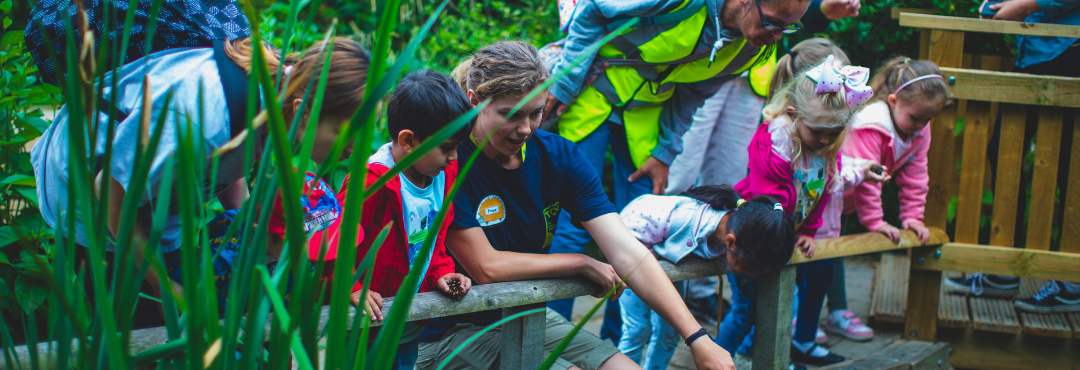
764,236
804,55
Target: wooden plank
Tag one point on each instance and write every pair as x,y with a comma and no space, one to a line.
953,311
969,205
998,351
934,357
895,12
1009,165
868,363
924,290
905,351
856,244
924,44
1010,87
772,333
1047,151
946,50
1044,325
1070,227
1074,321
523,338
964,24
890,288
998,260
994,314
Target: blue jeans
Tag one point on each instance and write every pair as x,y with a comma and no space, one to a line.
570,239
405,359
812,279
641,325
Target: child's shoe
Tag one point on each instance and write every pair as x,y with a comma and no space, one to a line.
819,336
983,285
814,355
1053,298
845,324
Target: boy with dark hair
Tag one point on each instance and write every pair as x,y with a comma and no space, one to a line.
423,103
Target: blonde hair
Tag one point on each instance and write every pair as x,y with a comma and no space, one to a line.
804,55
899,70
819,110
507,68
345,82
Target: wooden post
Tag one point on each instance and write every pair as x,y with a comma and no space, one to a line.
772,311
1047,150
1009,165
972,171
1070,227
924,287
523,339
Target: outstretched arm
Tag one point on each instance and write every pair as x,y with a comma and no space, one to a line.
487,265
643,274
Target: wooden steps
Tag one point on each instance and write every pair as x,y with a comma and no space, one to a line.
889,302
901,355
889,297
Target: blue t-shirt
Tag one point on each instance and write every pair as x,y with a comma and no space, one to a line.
518,208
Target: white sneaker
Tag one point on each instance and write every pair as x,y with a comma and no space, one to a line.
845,324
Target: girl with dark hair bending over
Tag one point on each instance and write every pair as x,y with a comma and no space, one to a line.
514,193
710,222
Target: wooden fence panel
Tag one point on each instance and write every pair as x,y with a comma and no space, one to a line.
972,171
1070,224
1047,151
772,335
1009,166
947,51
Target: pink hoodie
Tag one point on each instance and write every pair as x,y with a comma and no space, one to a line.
771,174
872,136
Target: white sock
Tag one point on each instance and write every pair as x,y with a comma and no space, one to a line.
1073,288
818,351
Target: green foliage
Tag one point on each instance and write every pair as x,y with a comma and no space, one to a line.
23,100
873,37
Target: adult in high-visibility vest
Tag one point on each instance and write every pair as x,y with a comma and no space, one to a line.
639,92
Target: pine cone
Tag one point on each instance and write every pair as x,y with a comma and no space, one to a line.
876,169
455,289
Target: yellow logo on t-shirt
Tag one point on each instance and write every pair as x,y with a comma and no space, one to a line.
492,211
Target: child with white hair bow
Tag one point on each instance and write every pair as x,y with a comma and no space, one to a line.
795,159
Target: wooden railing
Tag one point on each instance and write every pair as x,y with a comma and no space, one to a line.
772,337
979,93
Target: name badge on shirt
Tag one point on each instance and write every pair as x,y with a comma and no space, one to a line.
491,211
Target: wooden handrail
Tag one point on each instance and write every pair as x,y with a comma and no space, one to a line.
940,22
897,11
1016,88
857,244
517,293
989,259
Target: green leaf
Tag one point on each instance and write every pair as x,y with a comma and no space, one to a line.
4,260
7,236
30,292
12,38
987,197
5,6
7,22
951,213
19,180
959,128
29,193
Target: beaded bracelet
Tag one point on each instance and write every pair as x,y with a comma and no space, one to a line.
698,334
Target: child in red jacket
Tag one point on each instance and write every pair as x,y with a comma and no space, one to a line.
422,104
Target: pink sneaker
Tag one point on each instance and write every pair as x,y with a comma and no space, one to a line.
844,323
819,336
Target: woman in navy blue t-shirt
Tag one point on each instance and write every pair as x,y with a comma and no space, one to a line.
506,214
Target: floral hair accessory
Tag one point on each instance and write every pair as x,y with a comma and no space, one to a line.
739,203
851,80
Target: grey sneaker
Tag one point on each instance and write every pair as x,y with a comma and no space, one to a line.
983,285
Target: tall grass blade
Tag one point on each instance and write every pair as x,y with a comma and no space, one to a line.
358,334
480,333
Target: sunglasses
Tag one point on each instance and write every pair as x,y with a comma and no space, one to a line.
770,27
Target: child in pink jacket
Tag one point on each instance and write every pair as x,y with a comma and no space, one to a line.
894,130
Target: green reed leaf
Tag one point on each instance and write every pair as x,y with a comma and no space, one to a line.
480,333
